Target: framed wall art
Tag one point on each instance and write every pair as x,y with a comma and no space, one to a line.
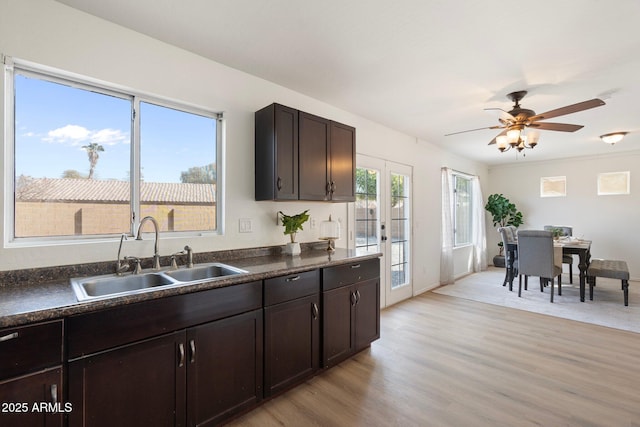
612,183
553,186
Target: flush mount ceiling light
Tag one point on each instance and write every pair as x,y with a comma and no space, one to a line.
612,138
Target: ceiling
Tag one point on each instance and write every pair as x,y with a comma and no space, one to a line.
424,67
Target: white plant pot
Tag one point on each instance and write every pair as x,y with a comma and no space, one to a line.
292,249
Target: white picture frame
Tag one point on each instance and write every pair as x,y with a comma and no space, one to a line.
553,186
614,183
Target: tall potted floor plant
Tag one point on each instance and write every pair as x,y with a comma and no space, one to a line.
503,213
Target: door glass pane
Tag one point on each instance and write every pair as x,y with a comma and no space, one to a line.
400,232
178,168
462,207
367,209
72,151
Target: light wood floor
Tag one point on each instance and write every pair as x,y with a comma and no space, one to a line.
446,361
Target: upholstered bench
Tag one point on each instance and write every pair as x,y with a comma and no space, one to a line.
610,269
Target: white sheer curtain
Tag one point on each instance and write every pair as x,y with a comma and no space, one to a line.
478,227
447,242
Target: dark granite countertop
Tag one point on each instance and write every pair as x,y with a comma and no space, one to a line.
28,300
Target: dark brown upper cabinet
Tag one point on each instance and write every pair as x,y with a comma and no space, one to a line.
300,156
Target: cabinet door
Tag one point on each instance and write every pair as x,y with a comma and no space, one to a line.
367,317
342,152
314,133
224,368
20,394
276,153
141,384
338,334
292,342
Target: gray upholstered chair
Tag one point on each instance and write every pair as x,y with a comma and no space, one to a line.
508,236
566,259
535,258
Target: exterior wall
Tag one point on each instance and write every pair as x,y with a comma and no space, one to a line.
69,219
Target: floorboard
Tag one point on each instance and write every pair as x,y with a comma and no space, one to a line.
447,361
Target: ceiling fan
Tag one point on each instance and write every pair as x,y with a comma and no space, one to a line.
515,121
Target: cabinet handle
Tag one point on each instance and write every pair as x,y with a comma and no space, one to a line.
353,298
192,345
293,279
328,188
54,393
314,310
357,296
181,351
279,183
9,337
355,266
333,187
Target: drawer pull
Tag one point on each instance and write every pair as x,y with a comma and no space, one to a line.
9,337
293,279
192,345
181,351
355,266
54,393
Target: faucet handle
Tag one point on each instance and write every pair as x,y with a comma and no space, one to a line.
138,268
174,263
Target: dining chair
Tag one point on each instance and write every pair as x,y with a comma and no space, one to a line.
535,258
508,236
566,259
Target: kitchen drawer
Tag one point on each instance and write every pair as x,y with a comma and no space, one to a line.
357,271
101,330
30,348
290,287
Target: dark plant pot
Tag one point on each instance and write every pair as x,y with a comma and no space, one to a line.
499,261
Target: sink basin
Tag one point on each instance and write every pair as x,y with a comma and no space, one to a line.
116,285
209,271
88,288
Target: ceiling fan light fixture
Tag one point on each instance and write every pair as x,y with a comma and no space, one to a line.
503,142
513,136
533,136
612,138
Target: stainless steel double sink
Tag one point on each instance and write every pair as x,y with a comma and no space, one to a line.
88,288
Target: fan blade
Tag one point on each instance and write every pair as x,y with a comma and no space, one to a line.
503,116
561,127
569,109
504,132
473,130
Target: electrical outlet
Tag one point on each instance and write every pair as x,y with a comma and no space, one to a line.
244,225
312,223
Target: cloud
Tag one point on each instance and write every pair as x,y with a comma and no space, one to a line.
75,135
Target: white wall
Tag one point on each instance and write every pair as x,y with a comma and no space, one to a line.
611,222
55,35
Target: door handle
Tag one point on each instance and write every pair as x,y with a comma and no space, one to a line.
192,346
181,353
54,393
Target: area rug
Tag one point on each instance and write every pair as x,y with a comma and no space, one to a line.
606,309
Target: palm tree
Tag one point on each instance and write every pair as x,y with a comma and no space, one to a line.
92,152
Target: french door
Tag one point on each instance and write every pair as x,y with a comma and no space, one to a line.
383,223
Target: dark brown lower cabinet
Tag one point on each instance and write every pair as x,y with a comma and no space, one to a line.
196,377
224,376
33,400
351,320
138,384
291,330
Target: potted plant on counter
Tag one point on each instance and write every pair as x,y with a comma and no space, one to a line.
503,213
292,224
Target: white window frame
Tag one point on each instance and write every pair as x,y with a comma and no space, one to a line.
454,196
75,80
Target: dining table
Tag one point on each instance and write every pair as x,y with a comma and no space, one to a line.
582,248
566,246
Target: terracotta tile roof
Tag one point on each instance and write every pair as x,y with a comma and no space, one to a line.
112,191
